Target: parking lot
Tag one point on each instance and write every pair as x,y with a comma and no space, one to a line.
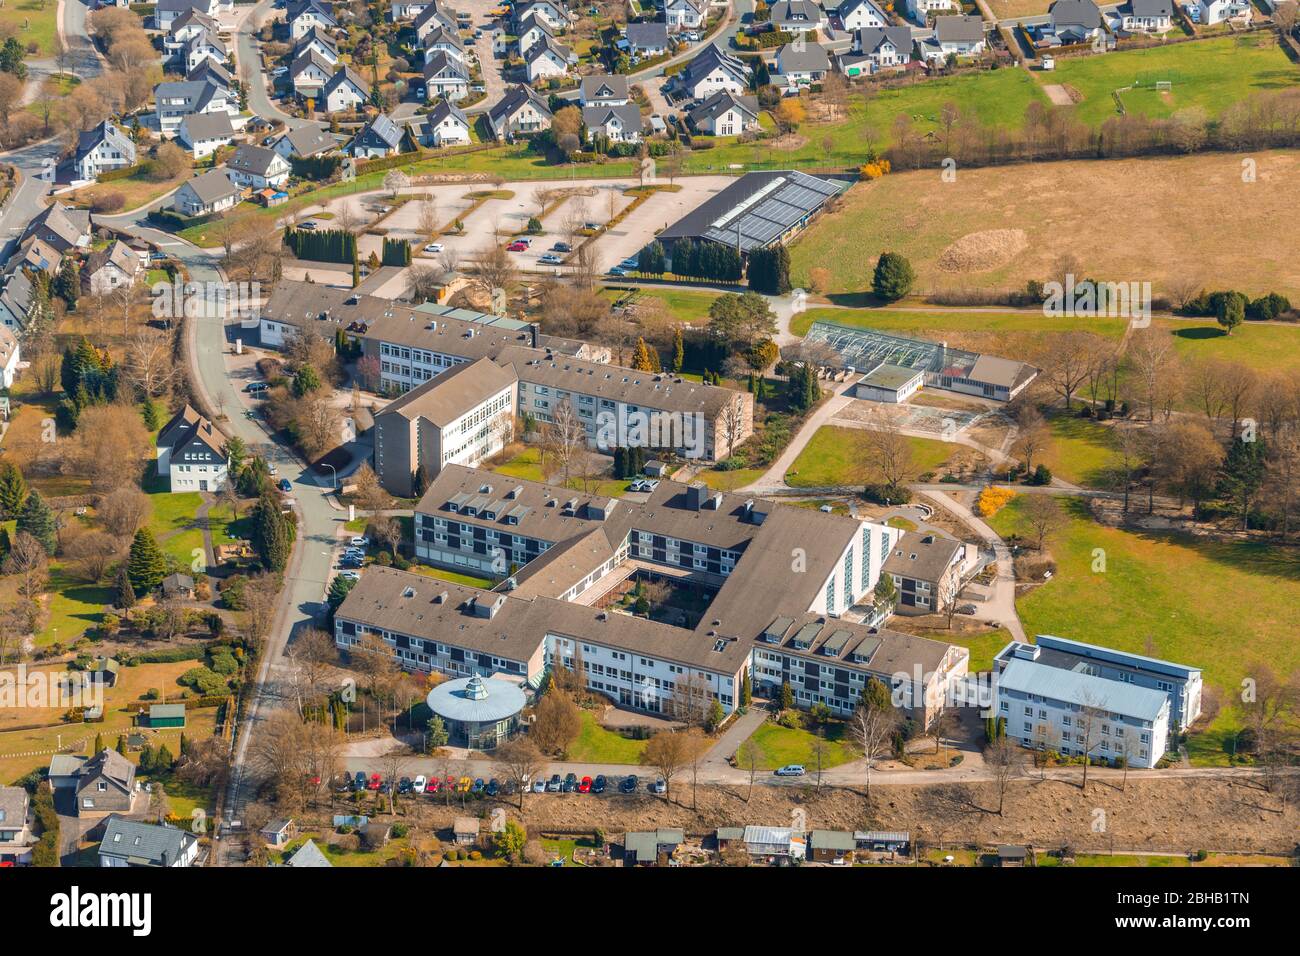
588,203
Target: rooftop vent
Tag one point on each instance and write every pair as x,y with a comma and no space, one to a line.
1027,652
440,598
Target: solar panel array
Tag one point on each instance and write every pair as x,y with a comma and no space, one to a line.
797,197
867,348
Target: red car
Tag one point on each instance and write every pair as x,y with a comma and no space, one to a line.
584,785
374,782
433,785
517,246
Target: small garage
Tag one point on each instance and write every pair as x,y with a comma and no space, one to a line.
890,383
166,715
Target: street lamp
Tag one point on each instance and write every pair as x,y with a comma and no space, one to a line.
334,475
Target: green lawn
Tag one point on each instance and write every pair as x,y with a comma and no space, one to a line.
1220,606
1265,347
31,21
720,480
982,647
837,456
455,577
684,305
528,465
74,606
173,525
778,746
1209,74
595,744
1080,451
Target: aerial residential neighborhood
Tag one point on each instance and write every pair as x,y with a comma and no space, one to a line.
665,434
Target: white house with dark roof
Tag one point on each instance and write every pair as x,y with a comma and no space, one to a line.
16,837
16,295
303,15
861,15
257,167
191,453
801,65
522,111
1146,16
204,133
725,114
548,58
603,90
1073,21
919,11
378,138
168,11
446,77
442,40
432,18
551,12
111,268
135,843
304,142
205,45
408,9
646,40
444,125
954,36
207,194
101,148
175,100
618,124
345,90
531,31
712,70
321,42
1218,11
210,71
684,14
798,16
63,227
308,72
883,48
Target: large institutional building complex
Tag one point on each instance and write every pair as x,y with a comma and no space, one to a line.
777,594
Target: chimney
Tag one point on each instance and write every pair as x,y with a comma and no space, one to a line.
532,333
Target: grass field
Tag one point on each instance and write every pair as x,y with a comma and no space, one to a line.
838,456
1267,347
684,305
527,464
778,746
31,21
1184,593
1080,451
595,744
48,731
469,580
136,190
1172,209
173,525
1209,74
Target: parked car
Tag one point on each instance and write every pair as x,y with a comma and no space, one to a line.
561,247
280,71
551,259
966,609
517,246
629,784
405,784
650,484
434,247
419,783
478,786
637,485
570,782
584,785
539,785
617,271
359,781
360,541
254,388
308,225
598,785
493,787
385,786
374,783
790,770
432,786
659,786
350,575
631,262
554,785
283,485
464,785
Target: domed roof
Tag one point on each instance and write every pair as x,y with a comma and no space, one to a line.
475,700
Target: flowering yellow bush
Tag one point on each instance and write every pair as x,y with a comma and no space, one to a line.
874,170
992,500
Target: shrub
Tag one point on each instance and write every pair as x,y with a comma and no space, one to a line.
107,202
992,500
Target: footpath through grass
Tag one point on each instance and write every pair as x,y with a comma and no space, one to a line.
837,456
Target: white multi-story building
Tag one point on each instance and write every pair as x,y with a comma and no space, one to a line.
191,454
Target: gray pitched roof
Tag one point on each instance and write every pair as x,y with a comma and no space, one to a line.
441,65
1148,8
211,187
720,102
710,58
144,844
796,11
13,807
811,58
647,36
308,855
545,45
309,57
933,553
959,29
345,74
444,110
256,160
210,71
604,87
515,98
201,126
1076,13
309,140
869,39
385,129
110,765
105,131
596,117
